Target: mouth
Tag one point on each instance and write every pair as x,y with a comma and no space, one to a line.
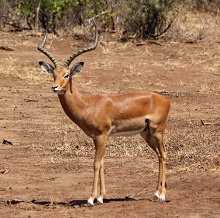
59,92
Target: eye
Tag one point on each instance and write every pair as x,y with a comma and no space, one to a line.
66,76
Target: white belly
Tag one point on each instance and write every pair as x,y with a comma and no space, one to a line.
129,133
128,127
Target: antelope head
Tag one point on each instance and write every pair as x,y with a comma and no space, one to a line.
63,74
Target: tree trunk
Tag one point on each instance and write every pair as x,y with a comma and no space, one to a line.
37,17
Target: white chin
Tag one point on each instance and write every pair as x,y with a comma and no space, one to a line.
60,93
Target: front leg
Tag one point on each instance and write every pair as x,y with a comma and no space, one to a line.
102,183
100,143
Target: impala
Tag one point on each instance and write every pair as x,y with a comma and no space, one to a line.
102,116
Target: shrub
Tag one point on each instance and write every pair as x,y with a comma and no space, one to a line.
146,18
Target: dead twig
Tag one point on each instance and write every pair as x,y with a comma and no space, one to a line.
5,171
6,142
151,42
6,48
208,123
98,15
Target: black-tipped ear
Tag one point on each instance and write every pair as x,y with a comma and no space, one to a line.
46,67
76,68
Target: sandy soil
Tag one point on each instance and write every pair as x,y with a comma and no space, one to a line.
46,170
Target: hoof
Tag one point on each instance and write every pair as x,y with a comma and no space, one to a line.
90,203
99,200
155,198
160,197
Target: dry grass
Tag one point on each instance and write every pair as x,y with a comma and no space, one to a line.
30,74
33,75
182,154
206,89
192,27
195,148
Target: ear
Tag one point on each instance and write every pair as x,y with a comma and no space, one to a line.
76,68
46,67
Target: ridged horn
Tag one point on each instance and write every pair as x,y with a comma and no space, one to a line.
41,48
72,57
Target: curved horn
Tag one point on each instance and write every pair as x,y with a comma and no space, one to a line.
41,48
72,57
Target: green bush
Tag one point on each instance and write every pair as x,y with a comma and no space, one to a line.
139,18
146,18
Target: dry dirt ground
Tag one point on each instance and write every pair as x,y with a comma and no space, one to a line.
46,170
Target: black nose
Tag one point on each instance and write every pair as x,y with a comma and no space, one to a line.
54,88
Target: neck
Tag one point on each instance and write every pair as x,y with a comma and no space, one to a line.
73,104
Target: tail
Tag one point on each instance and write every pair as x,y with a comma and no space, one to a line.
147,123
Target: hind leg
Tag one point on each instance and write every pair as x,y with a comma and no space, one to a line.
154,138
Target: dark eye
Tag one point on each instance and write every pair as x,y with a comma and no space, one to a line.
66,76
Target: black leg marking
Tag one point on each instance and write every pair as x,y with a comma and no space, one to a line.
165,185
